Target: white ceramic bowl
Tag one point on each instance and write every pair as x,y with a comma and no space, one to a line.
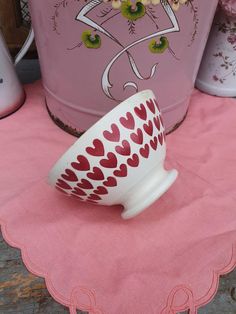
119,160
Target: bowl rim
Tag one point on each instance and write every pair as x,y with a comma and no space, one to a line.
113,111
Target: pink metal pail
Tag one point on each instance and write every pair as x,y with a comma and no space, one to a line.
94,54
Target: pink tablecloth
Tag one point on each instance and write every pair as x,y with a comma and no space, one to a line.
166,260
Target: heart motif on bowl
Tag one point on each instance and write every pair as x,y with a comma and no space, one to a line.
151,105
101,190
110,162
96,175
79,192
128,122
122,171
97,149
62,184
148,128
144,151
82,164
85,184
69,175
137,137
154,143
124,149
110,182
133,161
141,112
113,135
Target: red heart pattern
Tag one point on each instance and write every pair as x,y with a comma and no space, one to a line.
157,123
160,138
144,151
94,197
110,162
124,149
69,176
97,150
79,192
133,161
122,172
141,112
114,135
85,184
110,182
96,175
151,105
162,123
83,164
148,128
128,121
101,190
137,137
62,184
154,143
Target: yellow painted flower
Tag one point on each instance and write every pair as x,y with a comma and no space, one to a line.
175,4
116,4
145,2
155,2
133,11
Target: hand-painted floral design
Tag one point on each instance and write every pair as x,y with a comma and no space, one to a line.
159,47
229,28
232,39
91,41
132,11
228,63
229,7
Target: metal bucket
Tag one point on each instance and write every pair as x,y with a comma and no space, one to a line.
94,56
